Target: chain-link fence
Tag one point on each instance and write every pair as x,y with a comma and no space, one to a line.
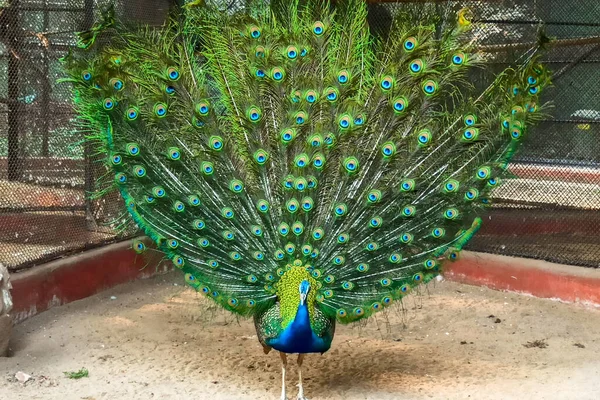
549,210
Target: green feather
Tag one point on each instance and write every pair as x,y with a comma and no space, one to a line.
247,144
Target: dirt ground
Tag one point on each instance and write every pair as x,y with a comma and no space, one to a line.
156,339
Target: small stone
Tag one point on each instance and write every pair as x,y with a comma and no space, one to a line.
113,297
22,376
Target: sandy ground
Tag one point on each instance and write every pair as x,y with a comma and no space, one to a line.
159,340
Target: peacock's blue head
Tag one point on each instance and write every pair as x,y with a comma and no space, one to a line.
304,289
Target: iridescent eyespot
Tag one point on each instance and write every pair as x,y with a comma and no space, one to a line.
108,104
132,113
341,313
262,205
158,191
424,137
300,117
388,149
116,159
358,311
173,243
178,261
287,135
329,279
343,238
304,52
385,282
372,246
318,234
395,258
374,196
292,205
203,242
400,105
386,300
471,194
410,44
283,229
198,224
277,74
429,264
347,285
301,160
483,173
254,114
117,84
339,260
416,66
139,246
407,185
86,75
261,156
133,149
254,31
532,80
173,73
290,248
451,186
418,277
451,213
170,90
213,263
228,235
470,120
375,222
207,168
227,212
307,249
139,171
331,94
406,238
430,87
235,256
386,82
291,52
458,58
300,184
340,209
408,211
328,293
311,96
202,108
316,273
404,288
492,182
470,135
351,164
259,73
343,77
174,153
362,267
359,120
534,90
344,121
178,206
318,28
307,204
160,110
516,132
256,230
215,143
438,232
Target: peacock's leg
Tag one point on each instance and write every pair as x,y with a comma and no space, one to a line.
283,365
300,388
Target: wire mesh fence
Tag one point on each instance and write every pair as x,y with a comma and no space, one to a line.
548,210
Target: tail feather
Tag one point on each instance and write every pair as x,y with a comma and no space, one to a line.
243,145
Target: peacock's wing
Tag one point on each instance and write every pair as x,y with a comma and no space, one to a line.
245,144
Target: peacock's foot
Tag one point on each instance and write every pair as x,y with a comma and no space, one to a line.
301,397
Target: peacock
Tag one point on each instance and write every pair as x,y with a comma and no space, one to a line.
296,168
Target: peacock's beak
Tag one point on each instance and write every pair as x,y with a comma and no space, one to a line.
302,298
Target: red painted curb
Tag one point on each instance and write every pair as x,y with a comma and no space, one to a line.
535,277
83,275
74,278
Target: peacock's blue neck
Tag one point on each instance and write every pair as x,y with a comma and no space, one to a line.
298,336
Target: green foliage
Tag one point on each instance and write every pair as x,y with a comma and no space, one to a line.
82,373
